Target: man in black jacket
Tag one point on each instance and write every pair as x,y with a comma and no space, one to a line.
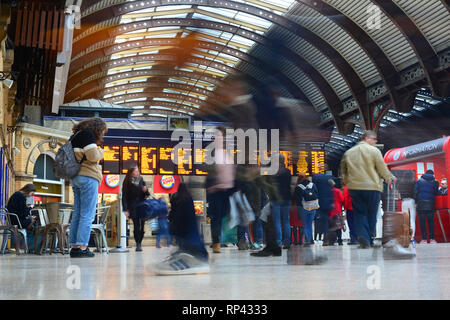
425,189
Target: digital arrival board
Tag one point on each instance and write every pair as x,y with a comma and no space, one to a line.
152,152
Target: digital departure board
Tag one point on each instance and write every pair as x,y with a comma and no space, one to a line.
185,162
288,161
317,162
302,163
111,160
200,162
149,160
166,161
130,157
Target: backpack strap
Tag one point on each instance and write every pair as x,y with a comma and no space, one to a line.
70,139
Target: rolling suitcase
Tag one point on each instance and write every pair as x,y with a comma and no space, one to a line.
396,225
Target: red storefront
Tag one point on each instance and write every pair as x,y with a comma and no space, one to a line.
419,158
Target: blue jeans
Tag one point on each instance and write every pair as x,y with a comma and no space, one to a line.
280,213
163,231
241,231
85,191
307,218
351,226
365,209
257,230
218,203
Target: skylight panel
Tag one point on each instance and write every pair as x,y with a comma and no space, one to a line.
138,107
168,8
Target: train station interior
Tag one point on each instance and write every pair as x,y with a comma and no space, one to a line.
323,73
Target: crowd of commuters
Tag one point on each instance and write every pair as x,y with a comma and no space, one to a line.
283,215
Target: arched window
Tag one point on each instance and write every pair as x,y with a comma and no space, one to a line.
43,168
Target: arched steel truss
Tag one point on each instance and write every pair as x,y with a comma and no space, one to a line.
401,99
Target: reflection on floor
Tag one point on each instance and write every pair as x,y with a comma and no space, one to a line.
350,273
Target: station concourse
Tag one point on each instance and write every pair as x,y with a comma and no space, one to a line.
297,80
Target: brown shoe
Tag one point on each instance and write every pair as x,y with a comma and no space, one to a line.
325,244
216,248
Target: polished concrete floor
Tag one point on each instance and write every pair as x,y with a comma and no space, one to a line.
349,273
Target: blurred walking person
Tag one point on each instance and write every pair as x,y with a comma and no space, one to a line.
191,256
219,184
326,201
348,207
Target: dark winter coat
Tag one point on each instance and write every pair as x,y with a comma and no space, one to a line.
132,195
17,204
326,200
425,189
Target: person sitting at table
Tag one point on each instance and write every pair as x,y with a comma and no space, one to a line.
443,190
17,204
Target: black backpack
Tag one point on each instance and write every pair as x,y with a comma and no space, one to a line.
66,165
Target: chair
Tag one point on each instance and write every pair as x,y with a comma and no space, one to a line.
99,229
55,228
43,221
8,227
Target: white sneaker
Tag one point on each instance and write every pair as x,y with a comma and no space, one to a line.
394,251
432,241
181,263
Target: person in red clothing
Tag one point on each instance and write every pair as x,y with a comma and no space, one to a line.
337,210
348,207
296,225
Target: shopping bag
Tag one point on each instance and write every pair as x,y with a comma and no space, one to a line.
241,213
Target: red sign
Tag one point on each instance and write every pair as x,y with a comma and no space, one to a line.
110,184
166,184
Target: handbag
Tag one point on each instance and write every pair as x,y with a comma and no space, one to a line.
337,222
241,213
151,208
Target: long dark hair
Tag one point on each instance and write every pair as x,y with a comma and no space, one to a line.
28,188
96,125
128,177
182,193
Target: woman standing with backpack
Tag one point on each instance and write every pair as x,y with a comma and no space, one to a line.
306,196
87,135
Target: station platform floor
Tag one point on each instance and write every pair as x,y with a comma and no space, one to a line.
349,273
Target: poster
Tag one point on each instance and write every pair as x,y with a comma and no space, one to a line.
199,208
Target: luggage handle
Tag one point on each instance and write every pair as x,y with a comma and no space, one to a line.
391,188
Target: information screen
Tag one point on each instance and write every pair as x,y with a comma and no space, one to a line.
302,163
317,162
289,162
185,162
148,160
154,160
200,162
111,160
130,157
166,161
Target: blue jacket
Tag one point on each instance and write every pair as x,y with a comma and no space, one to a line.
426,188
326,200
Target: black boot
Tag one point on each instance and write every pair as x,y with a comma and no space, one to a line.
138,247
267,252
